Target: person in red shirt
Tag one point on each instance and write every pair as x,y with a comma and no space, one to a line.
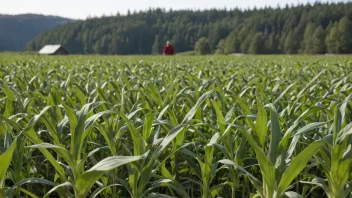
168,49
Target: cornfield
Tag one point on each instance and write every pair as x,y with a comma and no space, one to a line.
207,127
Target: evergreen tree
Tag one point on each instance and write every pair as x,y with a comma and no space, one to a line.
291,45
332,39
256,44
267,30
113,46
202,46
232,44
216,34
319,46
220,48
246,43
345,40
157,46
307,44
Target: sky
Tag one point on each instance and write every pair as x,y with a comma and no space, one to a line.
81,9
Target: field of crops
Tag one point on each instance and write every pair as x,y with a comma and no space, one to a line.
94,126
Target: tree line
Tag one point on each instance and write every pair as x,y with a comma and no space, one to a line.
308,28
17,30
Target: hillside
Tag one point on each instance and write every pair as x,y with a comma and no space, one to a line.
17,30
311,29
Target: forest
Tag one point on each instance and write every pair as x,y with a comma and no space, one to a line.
17,30
317,28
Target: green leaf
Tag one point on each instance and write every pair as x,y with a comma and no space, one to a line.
33,137
299,95
256,183
160,116
101,189
347,155
148,169
77,135
318,182
173,184
5,160
192,112
90,121
298,164
214,139
85,181
261,123
57,187
265,164
41,181
158,195
170,136
337,122
220,118
64,153
346,131
283,93
275,134
291,194
9,93
13,124
147,126
138,141
310,127
245,108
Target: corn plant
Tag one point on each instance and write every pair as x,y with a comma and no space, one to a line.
216,126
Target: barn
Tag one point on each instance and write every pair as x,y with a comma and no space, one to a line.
53,50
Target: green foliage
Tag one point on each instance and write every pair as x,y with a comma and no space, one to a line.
287,30
202,46
319,46
339,39
188,53
256,45
155,126
345,28
17,30
157,46
308,41
332,39
220,48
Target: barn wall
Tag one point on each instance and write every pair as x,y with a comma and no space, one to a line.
61,51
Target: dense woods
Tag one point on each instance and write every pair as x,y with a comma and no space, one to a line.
17,30
309,29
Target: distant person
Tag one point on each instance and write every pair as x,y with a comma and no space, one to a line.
168,49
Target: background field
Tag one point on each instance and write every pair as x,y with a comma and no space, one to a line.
181,126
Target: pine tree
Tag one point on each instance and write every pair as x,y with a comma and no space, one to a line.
291,45
232,44
319,41
256,44
202,46
308,43
290,30
220,48
217,33
246,43
333,39
113,46
345,29
157,47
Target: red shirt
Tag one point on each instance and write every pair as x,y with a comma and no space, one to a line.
169,50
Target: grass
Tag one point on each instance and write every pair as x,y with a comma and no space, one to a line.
181,126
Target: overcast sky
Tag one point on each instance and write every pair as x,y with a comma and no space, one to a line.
80,9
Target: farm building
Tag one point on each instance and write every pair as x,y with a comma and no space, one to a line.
53,50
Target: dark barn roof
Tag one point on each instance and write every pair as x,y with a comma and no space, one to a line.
53,50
